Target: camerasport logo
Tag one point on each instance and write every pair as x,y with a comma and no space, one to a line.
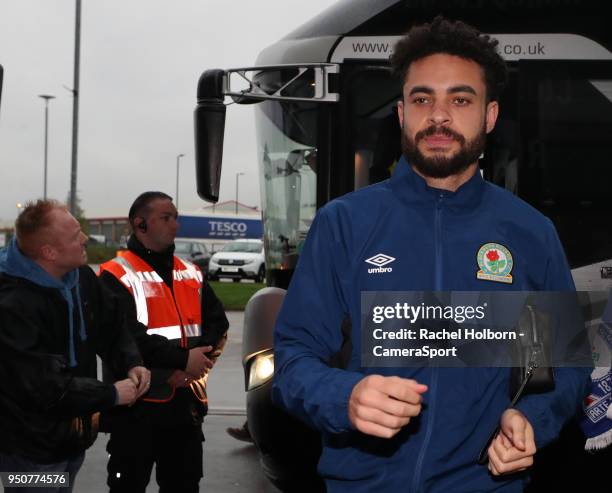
380,260
495,262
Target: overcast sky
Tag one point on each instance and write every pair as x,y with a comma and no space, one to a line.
140,63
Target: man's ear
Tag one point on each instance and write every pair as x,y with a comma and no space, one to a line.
400,113
491,116
140,224
47,252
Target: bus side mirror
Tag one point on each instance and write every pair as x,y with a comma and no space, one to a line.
1,76
209,122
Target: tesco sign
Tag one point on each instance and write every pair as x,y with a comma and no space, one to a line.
223,227
219,227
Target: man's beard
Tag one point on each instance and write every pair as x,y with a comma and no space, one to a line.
441,166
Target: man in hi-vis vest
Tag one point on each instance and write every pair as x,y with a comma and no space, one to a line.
180,327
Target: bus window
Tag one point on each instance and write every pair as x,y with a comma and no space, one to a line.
287,160
566,152
501,158
373,123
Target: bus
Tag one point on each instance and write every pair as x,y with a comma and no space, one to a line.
326,124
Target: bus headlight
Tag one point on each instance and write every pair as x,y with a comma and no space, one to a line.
261,369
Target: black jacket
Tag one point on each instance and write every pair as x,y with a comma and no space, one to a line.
46,406
160,355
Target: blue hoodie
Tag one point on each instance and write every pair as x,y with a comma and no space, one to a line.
431,239
16,264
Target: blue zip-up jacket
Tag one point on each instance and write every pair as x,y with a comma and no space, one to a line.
434,236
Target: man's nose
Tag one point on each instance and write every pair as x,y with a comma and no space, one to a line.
440,115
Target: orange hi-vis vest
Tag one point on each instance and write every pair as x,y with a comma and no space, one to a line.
174,314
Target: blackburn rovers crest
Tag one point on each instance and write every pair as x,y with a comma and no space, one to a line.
495,262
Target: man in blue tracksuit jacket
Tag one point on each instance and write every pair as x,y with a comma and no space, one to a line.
431,225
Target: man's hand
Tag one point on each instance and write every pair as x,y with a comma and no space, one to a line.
197,363
126,392
179,378
141,378
381,406
513,448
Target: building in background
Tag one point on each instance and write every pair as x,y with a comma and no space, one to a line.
212,225
7,229
109,230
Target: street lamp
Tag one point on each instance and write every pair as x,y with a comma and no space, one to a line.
46,97
237,175
178,161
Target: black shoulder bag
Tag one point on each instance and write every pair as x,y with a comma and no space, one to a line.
535,374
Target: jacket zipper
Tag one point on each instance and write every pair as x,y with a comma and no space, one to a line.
433,371
438,242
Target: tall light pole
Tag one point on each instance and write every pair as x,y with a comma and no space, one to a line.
46,97
237,175
178,161
75,109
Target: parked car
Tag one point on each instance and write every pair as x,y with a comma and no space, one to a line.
94,239
239,259
193,251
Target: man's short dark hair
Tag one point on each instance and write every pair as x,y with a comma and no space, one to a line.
142,205
452,38
33,218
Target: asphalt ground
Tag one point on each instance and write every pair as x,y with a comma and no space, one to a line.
230,466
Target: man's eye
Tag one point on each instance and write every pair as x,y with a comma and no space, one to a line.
462,101
420,100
